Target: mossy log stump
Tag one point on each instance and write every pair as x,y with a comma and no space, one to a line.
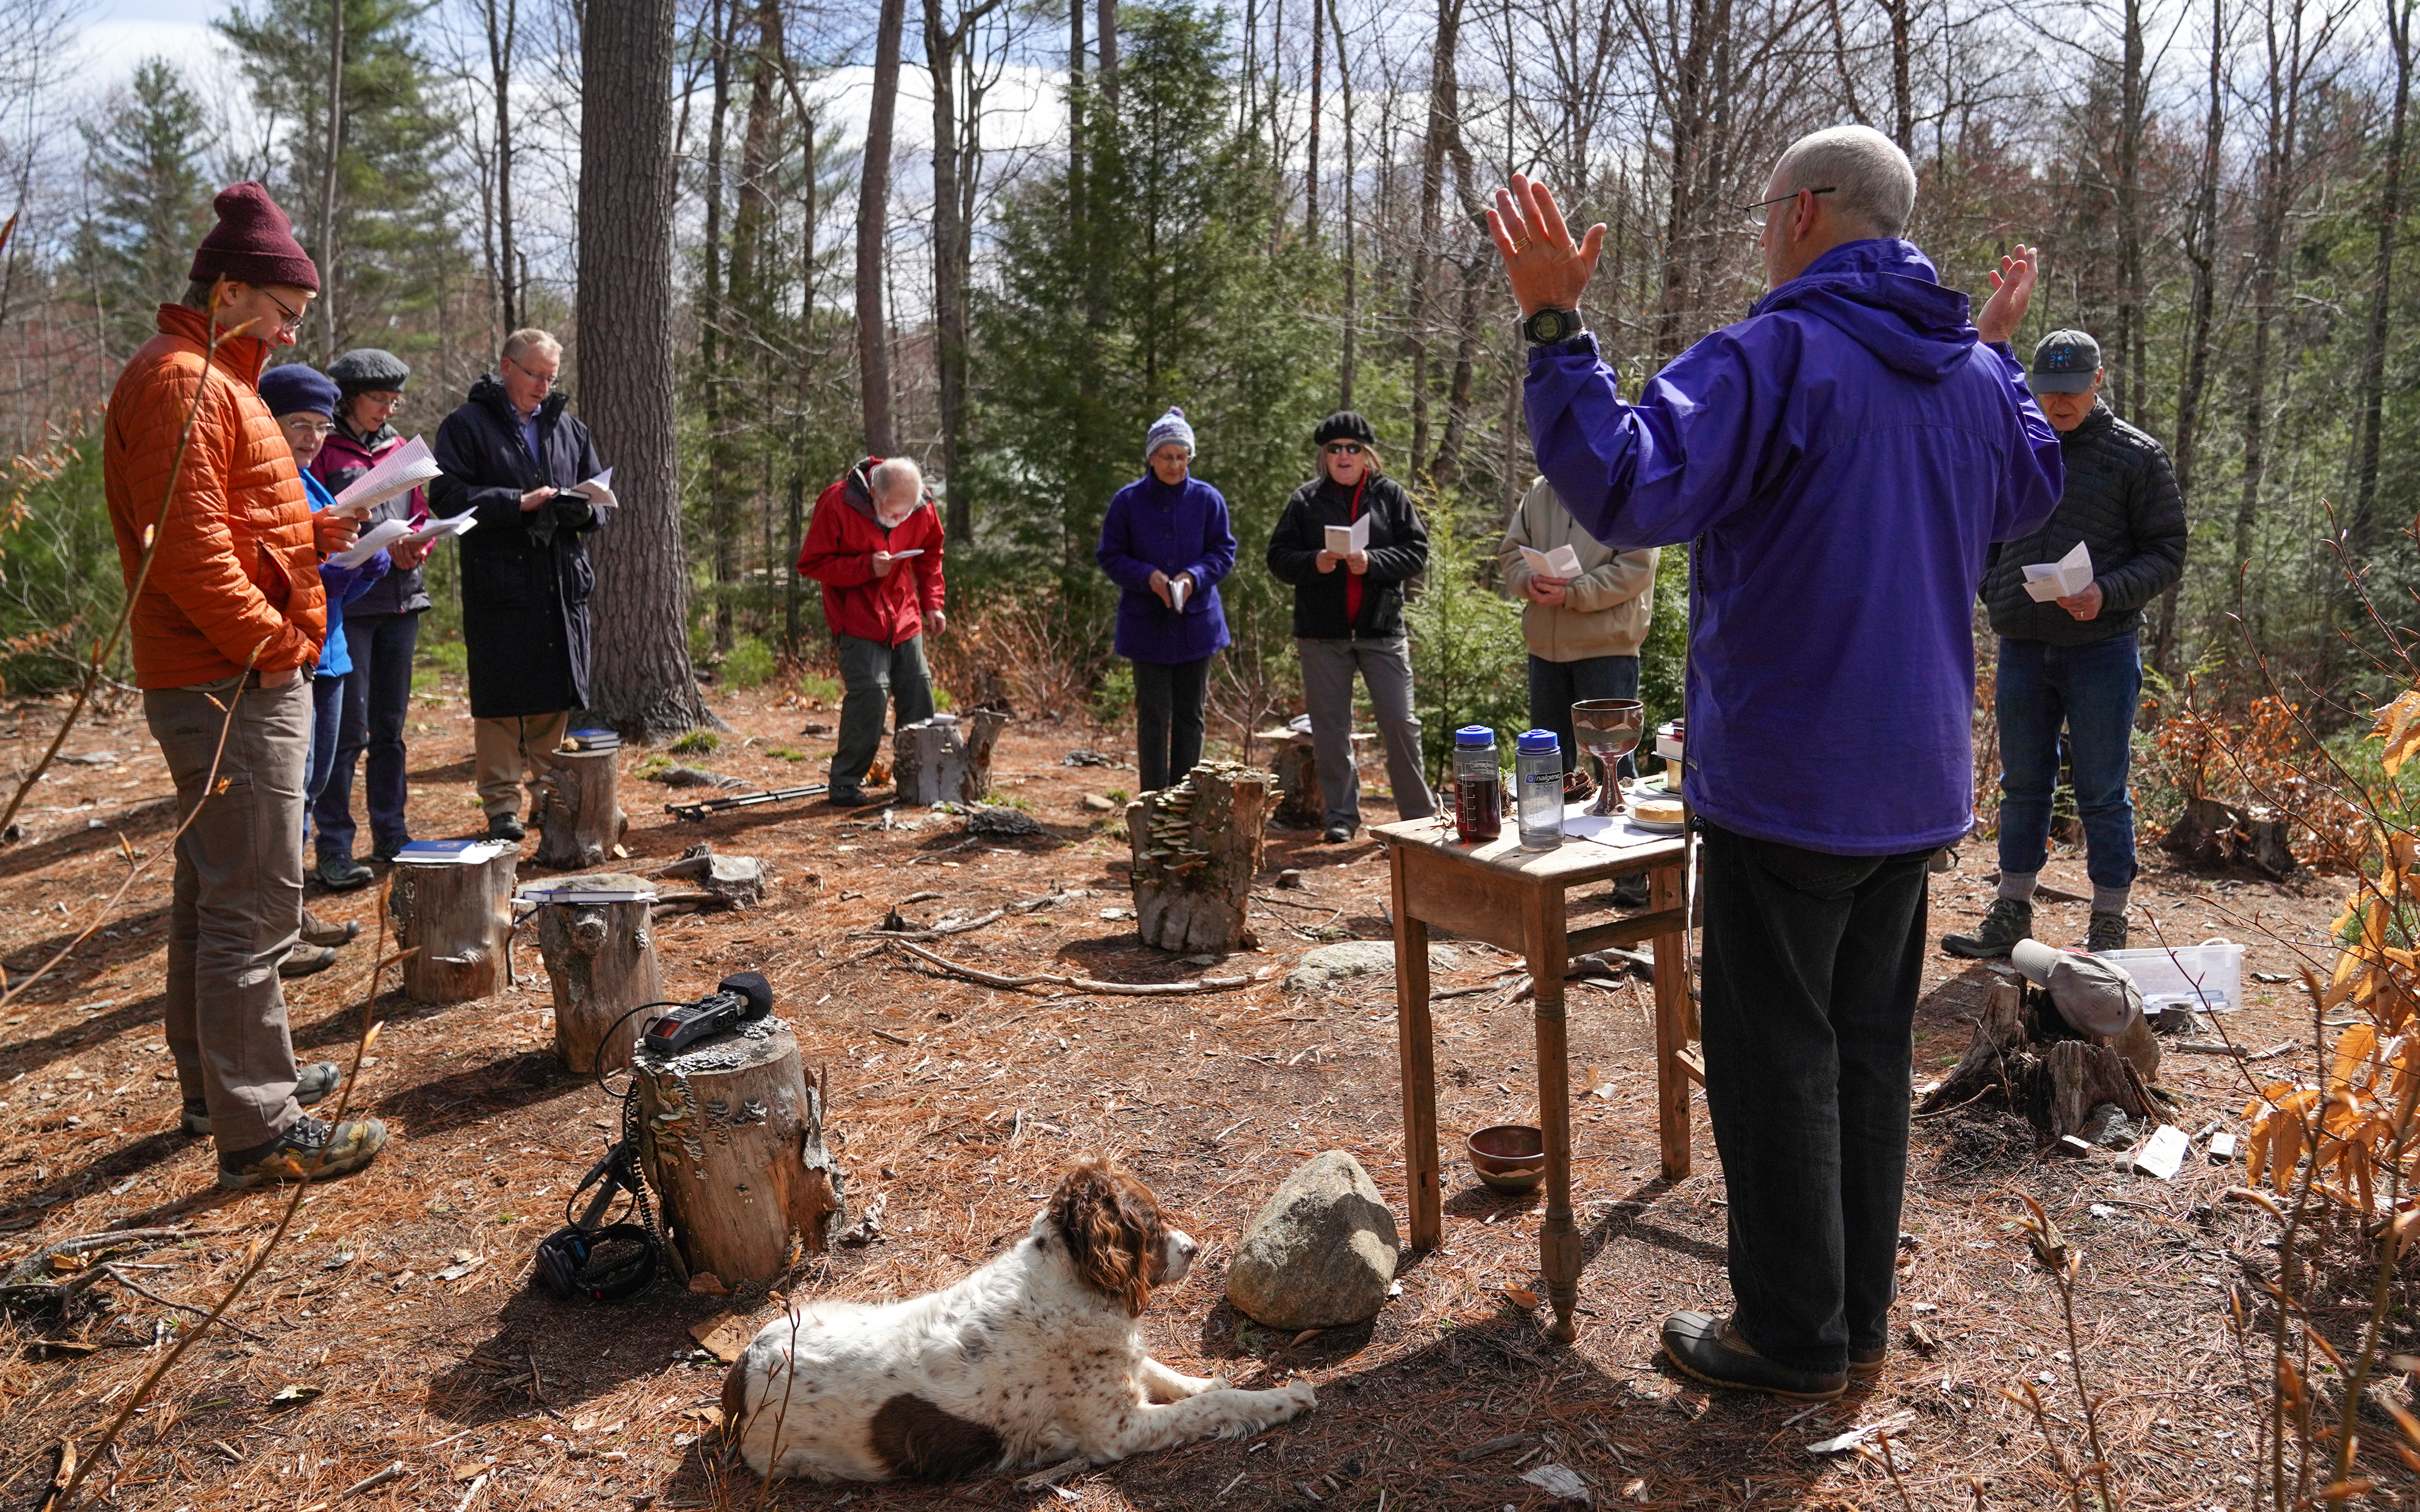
456,921
1197,847
2048,1073
601,959
731,1133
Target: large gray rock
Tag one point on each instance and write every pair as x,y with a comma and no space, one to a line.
1320,1252
1357,958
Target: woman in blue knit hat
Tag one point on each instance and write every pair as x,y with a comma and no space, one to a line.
1164,542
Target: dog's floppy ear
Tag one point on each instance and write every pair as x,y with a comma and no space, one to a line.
1113,1232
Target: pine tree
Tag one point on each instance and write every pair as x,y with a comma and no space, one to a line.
379,225
148,173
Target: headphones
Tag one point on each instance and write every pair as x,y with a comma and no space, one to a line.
601,1264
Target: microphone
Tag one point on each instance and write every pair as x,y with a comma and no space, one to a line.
741,997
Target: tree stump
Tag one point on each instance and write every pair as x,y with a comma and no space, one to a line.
1297,771
456,920
732,1140
579,811
2044,1071
601,960
2210,833
1197,847
979,733
722,881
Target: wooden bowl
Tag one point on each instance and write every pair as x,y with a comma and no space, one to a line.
1510,1157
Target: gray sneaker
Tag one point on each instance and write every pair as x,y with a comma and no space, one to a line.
313,1085
2007,922
308,1150
2107,931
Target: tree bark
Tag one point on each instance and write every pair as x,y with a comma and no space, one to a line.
456,920
578,811
732,1139
641,682
501,46
331,177
1444,106
2201,251
1196,848
1902,94
601,959
2362,536
873,214
956,151
1311,163
1104,27
720,20
2133,92
1352,252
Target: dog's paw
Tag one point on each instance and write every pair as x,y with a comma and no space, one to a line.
1300,1396
1196,1385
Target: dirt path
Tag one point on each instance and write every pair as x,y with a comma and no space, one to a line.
955,1106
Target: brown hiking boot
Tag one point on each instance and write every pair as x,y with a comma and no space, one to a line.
317,931
308,1150
2007,922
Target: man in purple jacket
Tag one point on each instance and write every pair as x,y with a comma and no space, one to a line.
1840,461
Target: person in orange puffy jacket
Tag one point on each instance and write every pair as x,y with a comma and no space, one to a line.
221,553
874,543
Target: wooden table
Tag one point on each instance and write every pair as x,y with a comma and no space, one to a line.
1515,899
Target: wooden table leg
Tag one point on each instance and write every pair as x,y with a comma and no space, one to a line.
1558,1241
1416,1053
1674,1014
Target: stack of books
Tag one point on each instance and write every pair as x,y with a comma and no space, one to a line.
592,740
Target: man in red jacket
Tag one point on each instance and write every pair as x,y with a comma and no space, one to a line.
876,546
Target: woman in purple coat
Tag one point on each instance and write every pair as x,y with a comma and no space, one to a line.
1166,543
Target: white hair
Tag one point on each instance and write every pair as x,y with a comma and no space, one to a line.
894,477
1870,178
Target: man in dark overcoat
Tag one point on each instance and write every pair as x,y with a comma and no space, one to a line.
513,460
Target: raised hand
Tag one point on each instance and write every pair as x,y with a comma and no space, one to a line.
1547,268
2012,289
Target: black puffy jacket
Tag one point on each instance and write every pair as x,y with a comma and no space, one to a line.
2121,502
1399,551
525,577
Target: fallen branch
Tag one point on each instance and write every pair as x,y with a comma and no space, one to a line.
131,1285
1053,1475
934,932
2237,1051
1081,984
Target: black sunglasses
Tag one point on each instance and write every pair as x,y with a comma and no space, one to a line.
1345,448
1792,195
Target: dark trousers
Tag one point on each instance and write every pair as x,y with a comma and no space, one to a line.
1168,696
327,717
377,695
875,678
2092,692
1813,967
1556,685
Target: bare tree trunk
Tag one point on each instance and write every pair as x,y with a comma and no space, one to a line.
956,138
2201,251
1443,106
2277,203
1903,93
641,682
2133,89
1105,22
499,65
1351,258
719,25
873,210
2362,536
794,596
330,179
1076,222
1310,154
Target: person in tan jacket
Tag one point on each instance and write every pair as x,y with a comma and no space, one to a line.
220,553
1584,631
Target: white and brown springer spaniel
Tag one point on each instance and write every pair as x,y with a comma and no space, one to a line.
1035,1359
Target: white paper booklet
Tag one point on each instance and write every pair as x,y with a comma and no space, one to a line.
2064,578
1562,562
1179,590
1343,540
912,551
438,530
406,467
599,493
372,541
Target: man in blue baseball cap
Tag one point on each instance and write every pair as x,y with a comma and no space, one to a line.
2073,663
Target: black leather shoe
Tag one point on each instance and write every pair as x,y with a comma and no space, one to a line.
505,827
1867,1365
1705,1348
342,874
1338,835
844,797
314,1084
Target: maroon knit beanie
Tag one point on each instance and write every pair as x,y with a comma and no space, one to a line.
253,242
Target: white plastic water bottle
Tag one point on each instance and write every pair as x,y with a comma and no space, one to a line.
1538,778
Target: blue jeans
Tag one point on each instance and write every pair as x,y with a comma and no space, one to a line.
2091,691
377,695
1556,685
327,718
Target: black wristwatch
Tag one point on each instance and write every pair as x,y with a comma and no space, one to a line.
1551,325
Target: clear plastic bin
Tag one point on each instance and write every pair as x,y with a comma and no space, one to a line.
2207,977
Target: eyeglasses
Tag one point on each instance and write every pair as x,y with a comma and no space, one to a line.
544,380
1776,199
301,425
1345,448
293,320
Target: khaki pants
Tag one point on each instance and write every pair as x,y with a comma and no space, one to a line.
505,748
1385,669
237,902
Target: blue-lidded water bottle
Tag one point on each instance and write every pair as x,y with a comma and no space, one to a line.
1538,779
1478,786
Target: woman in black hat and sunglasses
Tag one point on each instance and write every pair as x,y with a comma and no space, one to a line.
1349,616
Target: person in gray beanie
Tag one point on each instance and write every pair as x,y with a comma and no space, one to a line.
381,628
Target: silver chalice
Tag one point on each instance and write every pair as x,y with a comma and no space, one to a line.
1608,730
